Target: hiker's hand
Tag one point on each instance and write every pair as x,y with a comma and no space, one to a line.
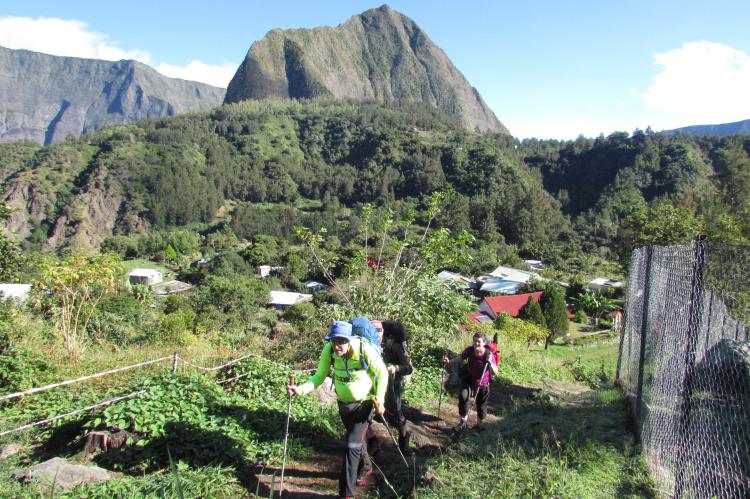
445,361
292,390
380,409
392,370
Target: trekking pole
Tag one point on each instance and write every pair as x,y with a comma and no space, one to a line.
480,386
377,404
286,436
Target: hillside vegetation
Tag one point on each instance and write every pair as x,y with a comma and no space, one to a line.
265,167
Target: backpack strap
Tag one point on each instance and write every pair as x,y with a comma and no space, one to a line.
362,360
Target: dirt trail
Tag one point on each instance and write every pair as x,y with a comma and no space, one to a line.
317,476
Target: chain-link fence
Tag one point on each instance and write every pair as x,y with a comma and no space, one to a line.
685,365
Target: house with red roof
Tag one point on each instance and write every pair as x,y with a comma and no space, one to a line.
478,318
493,306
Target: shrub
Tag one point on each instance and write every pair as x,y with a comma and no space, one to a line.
580,317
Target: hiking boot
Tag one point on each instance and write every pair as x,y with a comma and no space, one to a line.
460,427
403,444
480,425
363,474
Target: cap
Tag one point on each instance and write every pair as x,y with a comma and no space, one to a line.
340,329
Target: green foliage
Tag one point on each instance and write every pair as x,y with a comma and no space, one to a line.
554,309
20,368
519,330
9,255
595,304
185,399
532,312
662,225
77,283
580,317
237,298
592,376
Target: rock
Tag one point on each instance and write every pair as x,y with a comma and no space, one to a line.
325,392
379,55
46,98
9,450
63,474
431,479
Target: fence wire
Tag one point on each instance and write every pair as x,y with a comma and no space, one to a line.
685,365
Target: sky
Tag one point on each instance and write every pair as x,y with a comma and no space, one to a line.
548,69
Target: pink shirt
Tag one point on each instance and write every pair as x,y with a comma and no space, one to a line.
476,364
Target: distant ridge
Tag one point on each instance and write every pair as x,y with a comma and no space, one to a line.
721,130
46,98
378,55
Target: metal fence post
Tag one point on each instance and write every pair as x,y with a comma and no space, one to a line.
644,333
174,363
694,316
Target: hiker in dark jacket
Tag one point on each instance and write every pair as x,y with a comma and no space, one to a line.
396,358
358,377
475,381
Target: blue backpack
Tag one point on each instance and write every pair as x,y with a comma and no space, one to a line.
362,327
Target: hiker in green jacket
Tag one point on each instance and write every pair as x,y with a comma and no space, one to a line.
359,374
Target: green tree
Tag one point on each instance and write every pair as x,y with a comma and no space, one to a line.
661,225
170,255
224,302
532,312
520,330
555,312
595,304
77,283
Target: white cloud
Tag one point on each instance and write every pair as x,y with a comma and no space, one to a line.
701,83
218,76
74,38
63,37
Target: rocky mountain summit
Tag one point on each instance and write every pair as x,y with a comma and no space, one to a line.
379,55
46,98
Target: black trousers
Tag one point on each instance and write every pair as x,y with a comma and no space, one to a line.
393,405
483,395
356,417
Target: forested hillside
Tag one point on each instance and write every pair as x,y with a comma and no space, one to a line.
264,167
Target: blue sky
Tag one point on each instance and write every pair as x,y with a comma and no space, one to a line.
548,69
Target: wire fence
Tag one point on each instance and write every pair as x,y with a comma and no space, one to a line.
685,365
175,359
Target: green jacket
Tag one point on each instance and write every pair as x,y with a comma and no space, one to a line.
361,384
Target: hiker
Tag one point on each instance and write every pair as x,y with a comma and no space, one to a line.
358,375
396,358
481,365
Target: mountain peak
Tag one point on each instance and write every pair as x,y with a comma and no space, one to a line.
379,55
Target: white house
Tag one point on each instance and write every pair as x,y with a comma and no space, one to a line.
265,270
505,280
284,299
602,284
457,279
145,276
15,292
315,286
534,264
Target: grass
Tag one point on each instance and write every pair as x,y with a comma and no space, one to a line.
569,446
542,446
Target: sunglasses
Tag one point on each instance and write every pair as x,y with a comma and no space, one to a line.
339,341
